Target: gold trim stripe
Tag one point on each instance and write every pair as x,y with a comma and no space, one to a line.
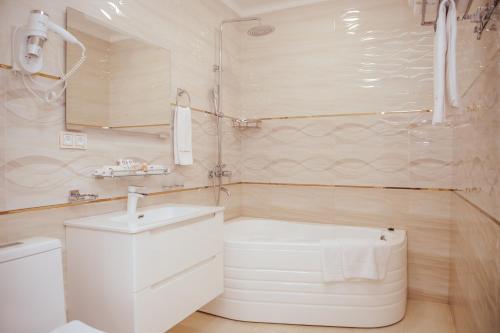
208,112
81,203
117,127
146,125
317,116
72,204
330,115
350,186
327,115
482,211
42,74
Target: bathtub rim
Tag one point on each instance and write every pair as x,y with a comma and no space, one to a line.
398,237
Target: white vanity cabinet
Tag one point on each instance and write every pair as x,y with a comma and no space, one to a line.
147,278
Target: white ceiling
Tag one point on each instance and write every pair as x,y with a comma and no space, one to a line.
256,7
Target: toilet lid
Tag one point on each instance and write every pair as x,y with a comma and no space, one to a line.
76,326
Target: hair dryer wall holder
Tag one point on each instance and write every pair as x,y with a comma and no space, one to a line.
22,62
27,51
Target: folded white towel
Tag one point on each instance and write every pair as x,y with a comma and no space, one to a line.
351,258
183,148
445,73
331,260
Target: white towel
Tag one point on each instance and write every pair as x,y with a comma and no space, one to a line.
451,55
331,260
440,46
351,258
183,147
445,74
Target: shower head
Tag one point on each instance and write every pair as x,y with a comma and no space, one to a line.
256,31
260,30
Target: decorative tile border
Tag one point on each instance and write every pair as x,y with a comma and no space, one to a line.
349,186
346,114
482,211
315,116
70,204
42,74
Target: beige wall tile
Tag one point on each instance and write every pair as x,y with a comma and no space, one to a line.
333,57
338,56
476,150
475,242
37,172
475,283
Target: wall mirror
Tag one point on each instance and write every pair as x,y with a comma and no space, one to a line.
123,85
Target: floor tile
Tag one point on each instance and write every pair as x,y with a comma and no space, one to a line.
421,316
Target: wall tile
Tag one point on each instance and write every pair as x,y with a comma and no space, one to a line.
347,57
35,172
348,61
333,57
475,237
475,284
476,150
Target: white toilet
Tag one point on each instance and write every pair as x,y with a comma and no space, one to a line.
32,289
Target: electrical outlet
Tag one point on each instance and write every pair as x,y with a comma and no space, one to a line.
66,140
72,140
80,141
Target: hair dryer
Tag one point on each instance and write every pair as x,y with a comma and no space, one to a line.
28,45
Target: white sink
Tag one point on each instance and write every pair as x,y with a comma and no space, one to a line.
149,272
145,219
156,215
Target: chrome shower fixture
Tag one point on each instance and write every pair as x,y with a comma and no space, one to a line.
255,31
260,30
218,172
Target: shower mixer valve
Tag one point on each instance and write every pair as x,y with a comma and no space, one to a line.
219,171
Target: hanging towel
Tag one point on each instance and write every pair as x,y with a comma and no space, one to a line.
440,46
451,55
183,148
445,74
351,258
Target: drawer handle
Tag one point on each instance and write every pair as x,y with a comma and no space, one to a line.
163,282
183,223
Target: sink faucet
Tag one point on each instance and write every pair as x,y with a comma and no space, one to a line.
132,199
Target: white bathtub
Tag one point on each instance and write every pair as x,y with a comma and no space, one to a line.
273,274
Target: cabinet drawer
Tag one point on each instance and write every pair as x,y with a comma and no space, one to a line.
168,302
164,252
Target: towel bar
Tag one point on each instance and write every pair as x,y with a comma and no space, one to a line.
481,16
181,92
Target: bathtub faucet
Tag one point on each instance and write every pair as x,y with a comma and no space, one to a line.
225,190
